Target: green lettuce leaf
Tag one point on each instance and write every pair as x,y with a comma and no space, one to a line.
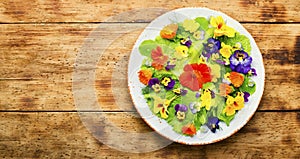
225,118
247,87
146,47
237,38
203,23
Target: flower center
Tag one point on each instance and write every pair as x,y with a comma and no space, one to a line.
220,26
166,81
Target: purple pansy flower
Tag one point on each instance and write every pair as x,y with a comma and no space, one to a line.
187,42
246,96
240,61
183,92
170,64
181,108
213,124
168,82
153,81
253,72
212,46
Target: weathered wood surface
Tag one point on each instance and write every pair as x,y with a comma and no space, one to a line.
143,11
37,62
57,135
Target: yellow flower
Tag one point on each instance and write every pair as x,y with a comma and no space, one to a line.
190,25
177,90
180,115
229,109
221,27
160,106
156,88
181,51
239,101
206,99
233,104
202,60
237,46
164,113
226,50
165,81
157,104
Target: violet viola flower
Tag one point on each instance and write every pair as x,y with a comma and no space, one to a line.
154,84
180,91
181,108
168,82
212,46
187,42
246,96
170,64
153,81
253,72
183,92
213,124
240,62
180,111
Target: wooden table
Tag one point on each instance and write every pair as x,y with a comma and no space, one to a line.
41,39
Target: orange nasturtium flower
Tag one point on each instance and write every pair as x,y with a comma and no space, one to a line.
169,31
159,59
145,76
225,89
236,79
189,129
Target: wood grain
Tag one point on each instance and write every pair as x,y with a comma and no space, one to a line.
37,62
62,135
19,11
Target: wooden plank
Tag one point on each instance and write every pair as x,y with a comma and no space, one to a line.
57,135
132,11
37,63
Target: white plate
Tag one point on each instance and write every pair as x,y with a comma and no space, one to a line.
160,125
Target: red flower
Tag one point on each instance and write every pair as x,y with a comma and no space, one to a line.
189,129
158,58
195,75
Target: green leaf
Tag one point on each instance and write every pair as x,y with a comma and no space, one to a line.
203,23
238,38
200,118
247,86
225,118
219,103
146,47
209,85
194,55
163,73
209,33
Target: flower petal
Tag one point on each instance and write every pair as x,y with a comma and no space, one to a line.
189,129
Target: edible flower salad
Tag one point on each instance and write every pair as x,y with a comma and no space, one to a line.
196,74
